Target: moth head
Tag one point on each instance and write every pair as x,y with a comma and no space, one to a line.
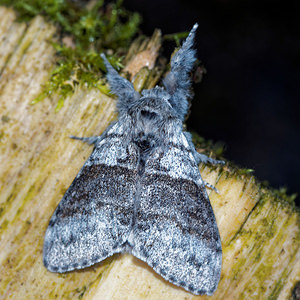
152,110
177,85
154,104
152,115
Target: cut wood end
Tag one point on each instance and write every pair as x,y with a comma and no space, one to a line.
260,235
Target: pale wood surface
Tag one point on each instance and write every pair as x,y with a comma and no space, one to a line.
260,236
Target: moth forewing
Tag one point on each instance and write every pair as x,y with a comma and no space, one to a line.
89,224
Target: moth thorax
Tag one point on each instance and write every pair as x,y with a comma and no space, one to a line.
145,141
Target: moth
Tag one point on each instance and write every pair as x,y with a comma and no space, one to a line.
141,191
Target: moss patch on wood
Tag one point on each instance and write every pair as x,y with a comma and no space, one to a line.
85,31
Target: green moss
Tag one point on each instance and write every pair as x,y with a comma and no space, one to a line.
177,37
5,119
4,225
280,195
140,79
81,292
208,146
86,30
242,172
1,134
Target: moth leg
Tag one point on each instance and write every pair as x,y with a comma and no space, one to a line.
210,186
188,137
201,158
92,140
205,159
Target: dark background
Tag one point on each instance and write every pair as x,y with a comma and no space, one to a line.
249,97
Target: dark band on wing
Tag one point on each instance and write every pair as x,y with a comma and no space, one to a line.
92,182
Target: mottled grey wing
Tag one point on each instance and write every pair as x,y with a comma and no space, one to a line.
175,229
93,219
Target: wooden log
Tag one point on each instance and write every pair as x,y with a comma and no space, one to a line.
259,228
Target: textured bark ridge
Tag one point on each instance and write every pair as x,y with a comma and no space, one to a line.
259,230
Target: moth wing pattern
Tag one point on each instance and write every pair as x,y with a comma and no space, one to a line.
88,225
141,191
175,230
